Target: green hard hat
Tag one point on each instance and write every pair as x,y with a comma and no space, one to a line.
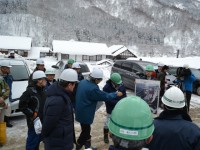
116,78
131,119
149,68
70,61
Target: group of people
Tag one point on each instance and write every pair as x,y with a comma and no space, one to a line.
184,79
129,122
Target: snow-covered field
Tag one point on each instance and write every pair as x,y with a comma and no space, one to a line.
16,136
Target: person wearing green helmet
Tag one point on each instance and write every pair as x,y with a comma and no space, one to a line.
112,85
149,71
69,63
174,129
131,124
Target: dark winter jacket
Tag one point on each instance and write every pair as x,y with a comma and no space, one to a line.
111,147
87,96
58,124
9,81
161,78
48,83
80,77
175,131
110,89
28,103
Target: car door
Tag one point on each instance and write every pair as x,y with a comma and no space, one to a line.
59,68
127,74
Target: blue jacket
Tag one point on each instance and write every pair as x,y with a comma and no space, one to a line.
58,123
87,96
109,89
188,83
9,81
175,133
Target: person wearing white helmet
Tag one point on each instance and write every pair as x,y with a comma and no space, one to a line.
87,96
186,78
50,74
39,66
31,103
5,72
174,129
58,124
160,65
12,54
76,66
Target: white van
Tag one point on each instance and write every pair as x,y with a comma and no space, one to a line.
20,72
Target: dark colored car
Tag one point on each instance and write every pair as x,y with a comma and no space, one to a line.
131,70
196,72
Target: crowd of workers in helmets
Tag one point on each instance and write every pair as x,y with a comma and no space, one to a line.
129,120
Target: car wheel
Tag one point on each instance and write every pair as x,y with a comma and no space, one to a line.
198,90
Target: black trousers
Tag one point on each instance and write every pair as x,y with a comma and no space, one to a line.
85,137
188,95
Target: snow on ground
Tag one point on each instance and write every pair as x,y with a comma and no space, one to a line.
17,134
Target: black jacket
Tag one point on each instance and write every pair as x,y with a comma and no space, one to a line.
28,103
110,89
175,131
58,124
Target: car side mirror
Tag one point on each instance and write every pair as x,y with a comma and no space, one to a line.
54,66
140,74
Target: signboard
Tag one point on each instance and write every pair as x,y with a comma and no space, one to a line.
149,91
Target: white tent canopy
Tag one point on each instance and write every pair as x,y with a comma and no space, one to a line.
15,42
80,48
34,53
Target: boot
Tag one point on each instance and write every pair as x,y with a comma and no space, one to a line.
88,145
106,139
78,147
7,120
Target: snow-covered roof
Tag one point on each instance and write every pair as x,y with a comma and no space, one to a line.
118,49
15,42
80,48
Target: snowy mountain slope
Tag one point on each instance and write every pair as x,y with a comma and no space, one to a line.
172,24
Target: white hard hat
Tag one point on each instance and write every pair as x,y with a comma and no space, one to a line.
174,98
69,75
5,64
97,73
40,62
50,71
160,64
76,65
38,75
186,66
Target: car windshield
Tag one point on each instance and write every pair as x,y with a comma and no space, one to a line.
19,72
196,73
84,68
144,64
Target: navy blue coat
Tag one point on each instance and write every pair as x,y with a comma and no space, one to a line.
87,96
175,133
109,89
58,123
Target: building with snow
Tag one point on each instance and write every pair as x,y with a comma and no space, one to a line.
39,52
118,52
80,51
20,45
